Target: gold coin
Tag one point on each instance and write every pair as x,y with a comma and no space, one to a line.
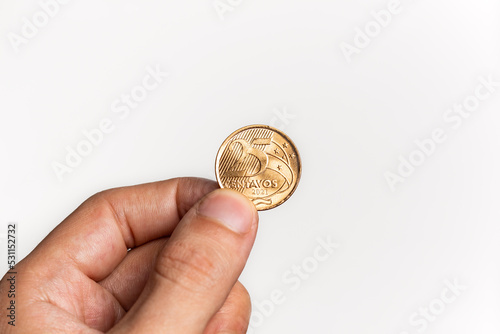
260,162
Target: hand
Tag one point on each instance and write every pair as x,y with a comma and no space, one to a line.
162,257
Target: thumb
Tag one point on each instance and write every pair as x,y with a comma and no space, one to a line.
197,268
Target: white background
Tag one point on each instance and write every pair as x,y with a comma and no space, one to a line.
351,122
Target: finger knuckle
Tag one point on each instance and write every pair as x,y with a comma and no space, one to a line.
190,265
98,203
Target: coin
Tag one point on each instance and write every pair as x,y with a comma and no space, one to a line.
260,162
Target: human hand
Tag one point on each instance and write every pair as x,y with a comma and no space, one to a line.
180,276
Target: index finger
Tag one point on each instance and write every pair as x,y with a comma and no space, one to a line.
96,236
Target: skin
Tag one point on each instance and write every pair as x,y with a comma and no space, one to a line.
188,241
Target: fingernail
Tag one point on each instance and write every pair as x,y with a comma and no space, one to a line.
230,208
